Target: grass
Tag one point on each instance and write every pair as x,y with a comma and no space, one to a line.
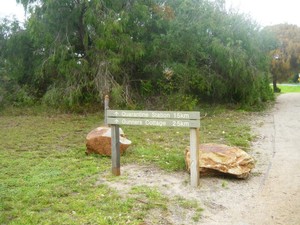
47,179
190,205
289,89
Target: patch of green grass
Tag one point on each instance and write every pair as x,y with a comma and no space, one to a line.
46,178
191,205
149,198
289,89
185,203
228,127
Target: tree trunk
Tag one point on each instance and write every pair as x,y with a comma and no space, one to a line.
275,88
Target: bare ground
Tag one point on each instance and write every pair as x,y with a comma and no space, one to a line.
271,195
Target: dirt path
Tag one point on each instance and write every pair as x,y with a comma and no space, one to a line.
271,195
278,198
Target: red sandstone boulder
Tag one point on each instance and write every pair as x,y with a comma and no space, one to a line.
222,158
99,141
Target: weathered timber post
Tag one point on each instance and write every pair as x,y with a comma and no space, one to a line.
115,141
106,107
194,156
115,150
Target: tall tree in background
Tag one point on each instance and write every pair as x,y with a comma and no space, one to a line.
220,55
16,61
89,48
286,56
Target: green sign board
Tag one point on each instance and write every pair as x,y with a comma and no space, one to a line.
154,118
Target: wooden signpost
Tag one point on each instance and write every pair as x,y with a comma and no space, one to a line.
155,118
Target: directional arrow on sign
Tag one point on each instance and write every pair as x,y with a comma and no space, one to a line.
116,113
117,121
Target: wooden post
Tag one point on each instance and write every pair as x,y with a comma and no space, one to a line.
106,107
194,156
114,118
115,150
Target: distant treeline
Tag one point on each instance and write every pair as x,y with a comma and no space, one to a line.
174,53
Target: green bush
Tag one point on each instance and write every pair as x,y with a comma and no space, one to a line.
296,78
68,97
117,97
13,94
181,102
53,97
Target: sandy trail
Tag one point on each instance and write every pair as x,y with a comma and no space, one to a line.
272,197
278,199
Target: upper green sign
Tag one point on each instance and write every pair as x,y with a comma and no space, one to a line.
184,115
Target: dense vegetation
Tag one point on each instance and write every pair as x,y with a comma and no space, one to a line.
174,52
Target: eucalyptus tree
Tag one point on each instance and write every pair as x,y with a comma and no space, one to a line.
217,54
285,63
88,48
81,50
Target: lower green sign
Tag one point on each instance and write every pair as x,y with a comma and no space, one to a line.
154,122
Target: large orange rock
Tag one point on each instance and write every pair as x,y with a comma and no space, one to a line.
222,158
99,141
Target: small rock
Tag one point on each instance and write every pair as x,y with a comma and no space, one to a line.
222,158
99,141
